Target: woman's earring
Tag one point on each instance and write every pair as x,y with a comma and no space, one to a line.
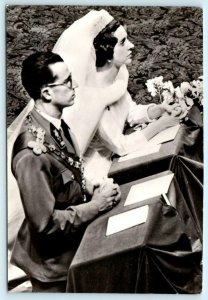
109,61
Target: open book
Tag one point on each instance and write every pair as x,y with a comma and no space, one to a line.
154,144
127,219
166,135
141,152
149,189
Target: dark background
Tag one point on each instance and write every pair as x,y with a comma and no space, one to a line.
168,43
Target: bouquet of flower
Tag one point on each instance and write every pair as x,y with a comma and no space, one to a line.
186,95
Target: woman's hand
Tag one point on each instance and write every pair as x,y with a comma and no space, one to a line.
170,107
175,109
157,126
166,121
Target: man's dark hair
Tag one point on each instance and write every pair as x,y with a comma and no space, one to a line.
36,72
105,42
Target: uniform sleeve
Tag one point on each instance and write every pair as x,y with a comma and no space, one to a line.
35,183
78,215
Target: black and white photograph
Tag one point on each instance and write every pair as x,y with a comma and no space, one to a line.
105,160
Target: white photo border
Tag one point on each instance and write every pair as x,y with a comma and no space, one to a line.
3,216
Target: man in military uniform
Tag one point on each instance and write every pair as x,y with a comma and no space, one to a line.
49,174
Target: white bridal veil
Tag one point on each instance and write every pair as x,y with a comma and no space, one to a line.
75,46
88,115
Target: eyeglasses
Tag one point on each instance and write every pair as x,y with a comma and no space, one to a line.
67,82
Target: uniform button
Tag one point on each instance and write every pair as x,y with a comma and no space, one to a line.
63,155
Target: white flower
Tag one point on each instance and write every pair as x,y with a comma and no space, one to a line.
179,93
158,81
151,88
189,101
154,85
196,83
197,88
169,86
185,87
167,96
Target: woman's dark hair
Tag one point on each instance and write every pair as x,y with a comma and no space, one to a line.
105,42
36,72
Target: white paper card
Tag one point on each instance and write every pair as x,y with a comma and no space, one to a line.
127,219
141,152
149,189
166,135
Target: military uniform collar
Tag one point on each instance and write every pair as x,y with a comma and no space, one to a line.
46,125
56,122
36,135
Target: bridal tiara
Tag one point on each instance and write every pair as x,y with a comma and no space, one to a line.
102,18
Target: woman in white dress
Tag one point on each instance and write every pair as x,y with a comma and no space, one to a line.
110,50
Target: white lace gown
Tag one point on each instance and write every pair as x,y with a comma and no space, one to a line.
75,46
109,137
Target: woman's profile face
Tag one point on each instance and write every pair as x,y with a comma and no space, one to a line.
123,48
